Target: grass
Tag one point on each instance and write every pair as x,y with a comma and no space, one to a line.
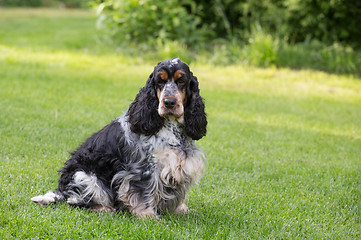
283,146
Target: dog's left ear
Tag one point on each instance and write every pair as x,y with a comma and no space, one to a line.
195,119
143,114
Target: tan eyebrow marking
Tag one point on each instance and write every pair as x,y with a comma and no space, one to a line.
178,74
163,75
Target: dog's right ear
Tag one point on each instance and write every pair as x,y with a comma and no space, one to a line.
143,112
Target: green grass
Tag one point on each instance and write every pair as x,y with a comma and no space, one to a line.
283,146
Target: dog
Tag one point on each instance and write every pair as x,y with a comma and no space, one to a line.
146,160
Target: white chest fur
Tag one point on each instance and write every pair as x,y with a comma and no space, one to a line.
176,156
177,167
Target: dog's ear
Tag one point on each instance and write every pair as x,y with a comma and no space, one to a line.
195,119
143,113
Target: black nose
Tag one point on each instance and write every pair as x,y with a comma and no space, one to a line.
169,102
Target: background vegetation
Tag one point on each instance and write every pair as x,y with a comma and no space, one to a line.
316,34
292,20
284,33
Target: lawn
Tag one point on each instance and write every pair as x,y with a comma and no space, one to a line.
283,145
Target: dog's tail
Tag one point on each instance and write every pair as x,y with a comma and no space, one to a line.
48,198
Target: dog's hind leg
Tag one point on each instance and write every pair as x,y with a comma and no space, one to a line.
48,198
86,190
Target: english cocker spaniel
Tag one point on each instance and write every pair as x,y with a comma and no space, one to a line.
145,160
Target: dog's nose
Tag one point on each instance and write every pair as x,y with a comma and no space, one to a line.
169,102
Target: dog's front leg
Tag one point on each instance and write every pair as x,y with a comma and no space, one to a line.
137,204
140,208
143,213
181,209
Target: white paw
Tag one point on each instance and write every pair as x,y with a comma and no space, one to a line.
45,199
101,208
146,213
182,209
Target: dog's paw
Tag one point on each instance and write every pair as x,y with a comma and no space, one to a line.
45,199
181,209
101,208
146,214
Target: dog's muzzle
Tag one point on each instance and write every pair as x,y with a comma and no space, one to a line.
170,101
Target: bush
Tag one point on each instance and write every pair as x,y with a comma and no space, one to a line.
194,21
326,21
152,22
262,49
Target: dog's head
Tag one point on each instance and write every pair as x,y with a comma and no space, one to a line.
171,92
171,80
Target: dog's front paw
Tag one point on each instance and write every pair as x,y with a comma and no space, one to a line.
181,209
105,209
146,213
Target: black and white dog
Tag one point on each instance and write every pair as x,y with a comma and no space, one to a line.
146,160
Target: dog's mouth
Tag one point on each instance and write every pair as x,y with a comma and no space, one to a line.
175,112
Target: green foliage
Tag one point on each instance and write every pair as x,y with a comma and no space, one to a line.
262,49
194,21
293,20
265,50
326,21
234,18
151,22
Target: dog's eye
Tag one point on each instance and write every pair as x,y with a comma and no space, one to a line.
181,81
161,82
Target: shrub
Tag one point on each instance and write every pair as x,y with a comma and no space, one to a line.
262,49
149,22
326,21
193,21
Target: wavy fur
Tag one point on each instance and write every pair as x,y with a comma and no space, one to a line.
140,162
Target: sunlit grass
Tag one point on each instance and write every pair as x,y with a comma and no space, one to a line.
283,146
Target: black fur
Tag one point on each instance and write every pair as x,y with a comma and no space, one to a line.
143,115
195,118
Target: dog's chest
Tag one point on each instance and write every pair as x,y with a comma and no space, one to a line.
176,157
170,136
178,169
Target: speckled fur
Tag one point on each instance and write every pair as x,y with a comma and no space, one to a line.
141,161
